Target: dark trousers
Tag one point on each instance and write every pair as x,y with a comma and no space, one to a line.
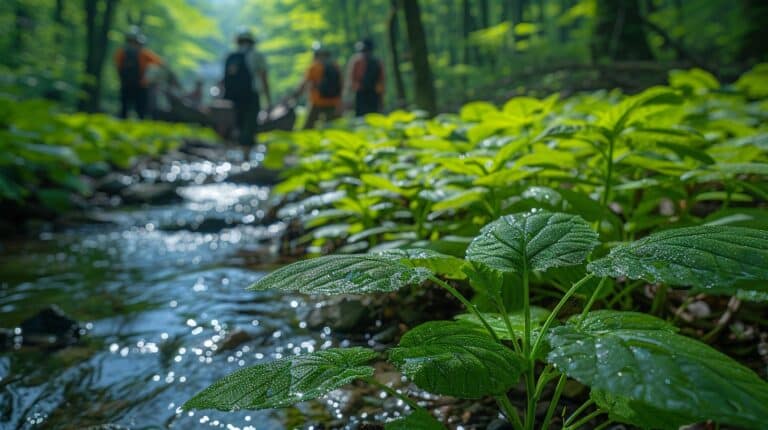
247,120
133,97
329,113
367,102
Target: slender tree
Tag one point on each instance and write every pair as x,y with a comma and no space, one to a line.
424,91
756,31
394,53
98,20
619,32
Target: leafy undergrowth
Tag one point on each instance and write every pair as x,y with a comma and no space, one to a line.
43,153
555,213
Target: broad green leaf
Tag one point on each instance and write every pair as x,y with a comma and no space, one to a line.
475,111
533,240
456,359
417,420
703,257
435,262
461,199
643,364
622,409
506,177
343,274
285,381
499,326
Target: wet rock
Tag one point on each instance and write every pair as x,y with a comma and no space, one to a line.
207,225
50,327
151,193
499,424
341,314
6,338
234,339
113,183
98,169
255,176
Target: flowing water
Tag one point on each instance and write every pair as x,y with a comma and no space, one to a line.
155,302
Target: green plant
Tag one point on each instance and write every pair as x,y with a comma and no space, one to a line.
639,369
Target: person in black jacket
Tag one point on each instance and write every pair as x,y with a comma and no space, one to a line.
245,80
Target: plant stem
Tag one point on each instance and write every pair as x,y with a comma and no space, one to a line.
554,402
408,401
578,411
470,307
555,311
530,415
510,411
584,420
608,173
503,310
659,300
592,298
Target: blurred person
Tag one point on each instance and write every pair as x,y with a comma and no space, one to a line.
365,75
324,81
132,61
245,80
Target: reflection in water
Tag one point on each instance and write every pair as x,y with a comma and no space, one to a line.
160,307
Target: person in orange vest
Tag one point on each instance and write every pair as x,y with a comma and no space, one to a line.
132,61
323,79
366,79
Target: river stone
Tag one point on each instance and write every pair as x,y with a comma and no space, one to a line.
50,327
234,339
255,176
342,314
151,193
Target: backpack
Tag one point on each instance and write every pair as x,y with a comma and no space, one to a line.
238,80
330,84
130,71
371,75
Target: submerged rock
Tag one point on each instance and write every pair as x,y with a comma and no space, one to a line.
151,193
255,176
341,314
234,339
50,327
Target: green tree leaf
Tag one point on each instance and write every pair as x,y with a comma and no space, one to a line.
343,274
641,363
703,257
457,359
417,420
537,240
286,381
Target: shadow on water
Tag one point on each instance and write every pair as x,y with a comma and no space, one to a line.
159,305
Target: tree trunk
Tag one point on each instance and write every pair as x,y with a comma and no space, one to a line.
424,92
398,76
619,33
518,11
756,21
96,31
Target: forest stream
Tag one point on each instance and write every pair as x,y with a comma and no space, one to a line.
162,312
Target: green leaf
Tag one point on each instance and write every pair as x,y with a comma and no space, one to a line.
435,262
536,240
517,321
417,420
343,274
457,359
286,381
703,257
642,364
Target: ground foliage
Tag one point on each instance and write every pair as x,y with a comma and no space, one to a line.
586,197
45,153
